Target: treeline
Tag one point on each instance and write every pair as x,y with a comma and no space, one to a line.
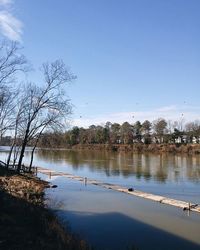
158,131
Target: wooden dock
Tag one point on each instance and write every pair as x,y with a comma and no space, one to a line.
158,198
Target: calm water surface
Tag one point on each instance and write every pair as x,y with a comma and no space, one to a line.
170,175
112,220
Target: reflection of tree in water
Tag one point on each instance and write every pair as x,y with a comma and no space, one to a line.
162,173
160,167
193,168
94,160
147,167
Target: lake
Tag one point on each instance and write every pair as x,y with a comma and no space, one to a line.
113,220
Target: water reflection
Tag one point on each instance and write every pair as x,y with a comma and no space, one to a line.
175,176
161,168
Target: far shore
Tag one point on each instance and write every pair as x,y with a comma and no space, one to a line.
190,149
178,148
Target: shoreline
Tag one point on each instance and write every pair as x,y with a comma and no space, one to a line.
25,222
190,149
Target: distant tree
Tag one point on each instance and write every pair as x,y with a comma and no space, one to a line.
106,135
193,130
137,130
102,134
99,136
126,133
91,134
146,130
108,125
190,132
115,133
170,129
159,127
82,135
52,139
146,127
74,136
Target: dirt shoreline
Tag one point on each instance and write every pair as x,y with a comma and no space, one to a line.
25,222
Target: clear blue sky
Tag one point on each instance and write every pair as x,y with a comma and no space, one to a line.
134,59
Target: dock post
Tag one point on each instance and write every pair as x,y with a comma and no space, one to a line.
85,180
189,209
49,175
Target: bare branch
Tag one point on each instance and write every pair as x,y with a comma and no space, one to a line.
45,107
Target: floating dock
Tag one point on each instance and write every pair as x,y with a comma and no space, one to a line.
158,198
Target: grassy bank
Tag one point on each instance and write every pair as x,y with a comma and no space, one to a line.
25,223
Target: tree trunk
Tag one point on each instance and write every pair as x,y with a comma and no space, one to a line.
22,154
16,152
10,153
21,157
24,143
32,154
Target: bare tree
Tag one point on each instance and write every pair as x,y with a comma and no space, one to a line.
115,133
46,106
6,109
159,127
193,130
17,120
11,63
